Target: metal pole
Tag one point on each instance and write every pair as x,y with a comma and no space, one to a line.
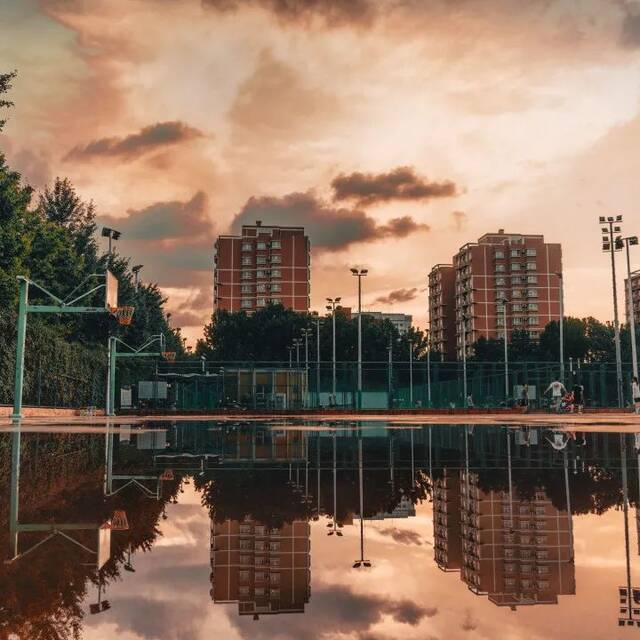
429,372
410,374
359,341
506,353
631,315
390,349
318,360
561,281
23,300
361,485
616,319
625,505
111,387
333,388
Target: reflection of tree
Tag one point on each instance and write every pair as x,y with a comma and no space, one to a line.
41,595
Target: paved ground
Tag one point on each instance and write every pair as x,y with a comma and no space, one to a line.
96,424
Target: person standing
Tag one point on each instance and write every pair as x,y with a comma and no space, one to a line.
578,397
635,394
524,399
558,390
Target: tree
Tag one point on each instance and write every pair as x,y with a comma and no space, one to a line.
488,350
5,85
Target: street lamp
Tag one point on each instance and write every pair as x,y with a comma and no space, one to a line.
503,302
136,274
359,273
611,225
306,332
112,234
631,241
389,376
290,350
561,293
333,302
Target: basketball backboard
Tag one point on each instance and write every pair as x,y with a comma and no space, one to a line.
111,297
104,544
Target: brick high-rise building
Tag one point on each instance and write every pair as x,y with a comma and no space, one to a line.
635,296
442,310
265,570
265,264
522,270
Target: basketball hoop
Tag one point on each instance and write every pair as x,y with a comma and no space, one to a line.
119,521
169,355
124,315
167,474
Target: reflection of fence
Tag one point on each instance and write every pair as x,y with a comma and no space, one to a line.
194,384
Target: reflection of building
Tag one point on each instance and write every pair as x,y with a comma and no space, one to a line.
404,509
266,264
516,551
265,570
447,546
401,321
265,445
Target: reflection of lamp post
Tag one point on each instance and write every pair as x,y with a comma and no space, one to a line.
361,562
335,495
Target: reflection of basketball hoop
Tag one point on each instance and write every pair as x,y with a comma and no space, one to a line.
169,355
119,521
167,474
124,315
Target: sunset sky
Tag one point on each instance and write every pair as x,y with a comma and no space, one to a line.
393,130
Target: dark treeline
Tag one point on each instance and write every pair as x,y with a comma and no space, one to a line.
51,238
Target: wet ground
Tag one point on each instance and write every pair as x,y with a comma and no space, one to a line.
335,529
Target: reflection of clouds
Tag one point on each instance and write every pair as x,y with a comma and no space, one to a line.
402,536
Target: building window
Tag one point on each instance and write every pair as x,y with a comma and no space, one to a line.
245,528
532,293
274,546
499,255
276,301
259,591
516,293
261,288
261,260
261,246
276,258
244,576
260,530
245,303
515,253
517,321
276,273
516,280
531,266
515,266
274,593
531,253
276,244
499,268
532,306
501,282
532,279
243,591
534,321
261,302
247,261
246,275
246,246
516,307
261,576
275,578
246,288
275,287
509,568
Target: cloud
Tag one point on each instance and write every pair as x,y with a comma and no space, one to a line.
339,608
402,536
402,183
630,35
167,221
150,138
331,228
398,295
331,12
469,624
460,219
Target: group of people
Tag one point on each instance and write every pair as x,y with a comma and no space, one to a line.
573,401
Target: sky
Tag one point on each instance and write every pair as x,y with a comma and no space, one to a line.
395,131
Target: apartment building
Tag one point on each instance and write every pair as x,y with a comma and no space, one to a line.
516,551
442,310
266,570
401,321
635,296
502,280
263,265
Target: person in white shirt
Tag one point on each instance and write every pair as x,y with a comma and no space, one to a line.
557,392
635,394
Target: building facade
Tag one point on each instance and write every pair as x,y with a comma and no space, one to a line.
503,280
401,321
266,570
442,310
264,265
635,296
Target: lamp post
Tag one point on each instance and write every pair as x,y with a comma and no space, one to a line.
306,332
359,273
428,368
503,302
290,350
112,235
631,241
389,374
333,302
561,293
318,359
136,275
611,225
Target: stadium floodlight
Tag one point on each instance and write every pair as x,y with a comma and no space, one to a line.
359,273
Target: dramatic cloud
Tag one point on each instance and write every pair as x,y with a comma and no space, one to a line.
459,219
339,608
630,36
328,227
166,221
402,536
398,295
400,184
151,138
331,12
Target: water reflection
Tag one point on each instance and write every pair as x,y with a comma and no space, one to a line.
83,510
